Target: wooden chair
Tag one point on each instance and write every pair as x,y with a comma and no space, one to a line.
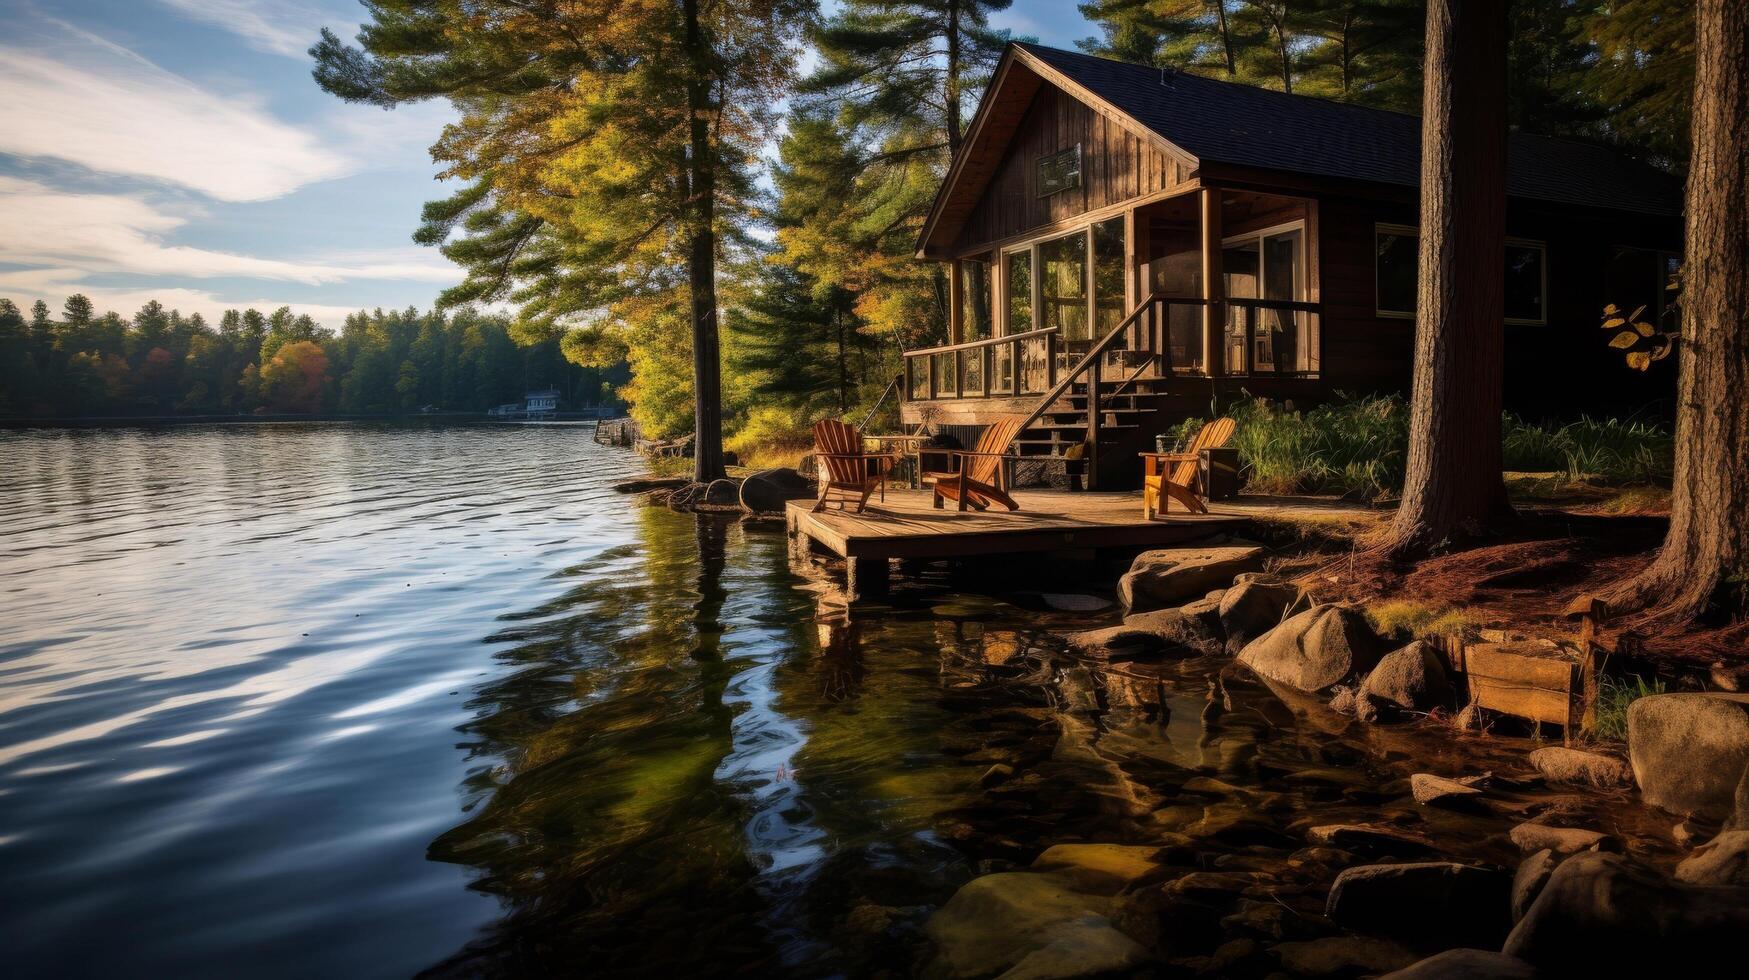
978,477
1180,484
846,471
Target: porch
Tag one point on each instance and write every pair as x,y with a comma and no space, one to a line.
1106,329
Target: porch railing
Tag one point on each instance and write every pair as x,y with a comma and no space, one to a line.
1013,366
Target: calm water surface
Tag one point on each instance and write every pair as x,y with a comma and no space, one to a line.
361,700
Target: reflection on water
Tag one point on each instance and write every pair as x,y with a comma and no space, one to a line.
369,701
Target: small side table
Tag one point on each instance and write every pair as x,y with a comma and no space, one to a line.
903,447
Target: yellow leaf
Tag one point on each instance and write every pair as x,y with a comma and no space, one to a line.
1635,315
1624,340
1645,329
1614,321
1639,360
1610,310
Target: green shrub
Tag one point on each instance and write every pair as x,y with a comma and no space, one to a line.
1613,698
1614,452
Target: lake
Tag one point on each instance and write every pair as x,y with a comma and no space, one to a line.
375,700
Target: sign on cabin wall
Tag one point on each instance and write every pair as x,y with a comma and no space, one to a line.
1059,171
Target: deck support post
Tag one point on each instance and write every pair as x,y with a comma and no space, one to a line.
865,576
1213,282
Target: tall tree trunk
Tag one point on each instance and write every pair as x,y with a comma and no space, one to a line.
1701,571
701,264
1453,489
1226,36
953,79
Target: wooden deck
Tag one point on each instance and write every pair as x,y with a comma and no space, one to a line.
906,526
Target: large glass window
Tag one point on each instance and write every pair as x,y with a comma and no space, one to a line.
1063,286
975,319
1020,291
1397,264
1268,265
1108,276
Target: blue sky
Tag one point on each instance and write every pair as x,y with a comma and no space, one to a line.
178,150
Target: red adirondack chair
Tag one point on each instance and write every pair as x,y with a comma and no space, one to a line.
846,471
978,478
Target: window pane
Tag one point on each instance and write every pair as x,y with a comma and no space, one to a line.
1108,275
1278,332
1397,270
974,299
1524,282
1064,285
1019,292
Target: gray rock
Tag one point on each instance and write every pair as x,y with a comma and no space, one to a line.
1562,840
1412,677
1314,650
1160,634
994,922
767,491
1168,577
1601,915
1206,611
1467,964
1070,602
1562,765
1431,790
1436,903
1722,861
1527,883
1255,605
1370,839
1690,751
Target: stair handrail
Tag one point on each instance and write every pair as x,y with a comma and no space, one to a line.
1097,351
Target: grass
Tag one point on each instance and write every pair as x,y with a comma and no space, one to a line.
1407,619
1358,447
1613,698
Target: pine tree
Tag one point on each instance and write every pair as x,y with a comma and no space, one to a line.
606,150
1191,35
1642,74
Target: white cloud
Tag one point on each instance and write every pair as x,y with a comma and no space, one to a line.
286,27
116,233
103,107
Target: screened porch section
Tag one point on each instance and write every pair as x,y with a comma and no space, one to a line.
1207,283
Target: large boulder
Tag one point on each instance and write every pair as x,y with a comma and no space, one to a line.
1171,576
767,491
1722,861
1601,915
1086,947
1436,903
1563,765
1467,964
994,922
1255,605
1690,751
1530,878
1314,650
1412,677
1160,634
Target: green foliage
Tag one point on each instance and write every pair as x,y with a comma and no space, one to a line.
163,363
1610,451
1613,698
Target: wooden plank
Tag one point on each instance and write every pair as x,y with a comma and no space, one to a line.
1523,664
1536,704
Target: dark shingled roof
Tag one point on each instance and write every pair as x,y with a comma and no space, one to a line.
1225,122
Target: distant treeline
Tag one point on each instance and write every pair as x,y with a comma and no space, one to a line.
160,362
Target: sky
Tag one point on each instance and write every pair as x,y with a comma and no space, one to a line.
178,150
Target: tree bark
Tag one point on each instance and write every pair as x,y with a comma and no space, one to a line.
1452,491
1700,573
701,264
1226,36
953,80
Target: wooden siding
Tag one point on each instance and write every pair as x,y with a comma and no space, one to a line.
1116,166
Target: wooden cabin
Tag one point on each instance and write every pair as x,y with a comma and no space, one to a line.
1151,240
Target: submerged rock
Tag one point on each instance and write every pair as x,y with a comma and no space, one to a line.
1314,650
1372,839
1601,915
1562,765
1436,903
1690,751
1160,634
994,922
1168,577
1068,602
1255,605
1431,790
1343,956
1467,964
1412,677
1103,868
767,491
1084,947
1562,840
1722,861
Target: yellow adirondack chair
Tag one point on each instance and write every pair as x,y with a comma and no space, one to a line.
1180,483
